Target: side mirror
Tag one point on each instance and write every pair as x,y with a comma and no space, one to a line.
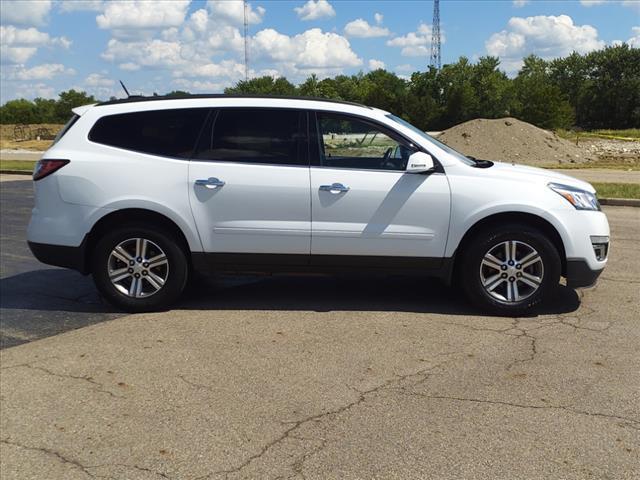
419,162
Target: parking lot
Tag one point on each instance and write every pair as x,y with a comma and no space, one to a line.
315,377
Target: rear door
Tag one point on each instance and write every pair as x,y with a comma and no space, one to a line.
365,207
249,183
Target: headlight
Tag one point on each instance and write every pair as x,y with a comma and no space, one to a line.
580,199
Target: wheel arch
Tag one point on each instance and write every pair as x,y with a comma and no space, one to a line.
525,218
133,216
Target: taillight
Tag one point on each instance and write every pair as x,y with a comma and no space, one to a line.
47,167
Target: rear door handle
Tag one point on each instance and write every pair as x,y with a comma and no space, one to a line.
211,182
334,188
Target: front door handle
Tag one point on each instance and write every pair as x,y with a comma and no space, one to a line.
210,182
334,188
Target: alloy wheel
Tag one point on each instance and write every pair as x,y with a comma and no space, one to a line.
138,267
511,271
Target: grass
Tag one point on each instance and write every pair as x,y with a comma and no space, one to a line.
609,163
630,134
617,190
23,165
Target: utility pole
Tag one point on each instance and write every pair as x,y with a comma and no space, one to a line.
246,40
435,36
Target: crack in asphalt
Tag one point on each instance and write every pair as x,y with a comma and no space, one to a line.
295,425
55,454
84,468
631,422
85,378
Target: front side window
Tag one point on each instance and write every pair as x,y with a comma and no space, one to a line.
255,135
168,133
350,142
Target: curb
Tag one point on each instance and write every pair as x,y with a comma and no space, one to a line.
16,172
620,202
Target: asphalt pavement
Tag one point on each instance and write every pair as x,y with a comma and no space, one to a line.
321,377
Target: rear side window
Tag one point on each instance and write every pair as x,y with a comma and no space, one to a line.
169,133
66,128
255,135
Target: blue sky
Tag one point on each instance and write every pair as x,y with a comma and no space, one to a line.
197,45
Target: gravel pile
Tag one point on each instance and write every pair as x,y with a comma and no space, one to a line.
511,140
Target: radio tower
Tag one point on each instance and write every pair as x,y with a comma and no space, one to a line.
246,41
435,36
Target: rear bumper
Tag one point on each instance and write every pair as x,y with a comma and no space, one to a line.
580,274
61,255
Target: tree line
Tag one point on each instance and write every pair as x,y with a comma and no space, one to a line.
600,89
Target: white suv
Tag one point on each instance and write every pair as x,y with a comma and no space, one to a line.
144,191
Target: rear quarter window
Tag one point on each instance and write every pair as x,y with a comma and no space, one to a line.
168,133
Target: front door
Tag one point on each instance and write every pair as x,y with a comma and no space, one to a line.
249,182
363,202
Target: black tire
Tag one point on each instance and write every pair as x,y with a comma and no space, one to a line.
177,269
470,270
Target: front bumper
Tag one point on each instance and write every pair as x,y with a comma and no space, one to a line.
580,274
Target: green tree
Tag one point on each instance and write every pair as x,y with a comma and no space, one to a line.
263,86
537,99
69,100
423,102
385,90
44,110
611,96
18,111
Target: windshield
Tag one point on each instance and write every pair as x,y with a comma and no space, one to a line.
430,139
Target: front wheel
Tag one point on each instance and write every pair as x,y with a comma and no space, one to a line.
139,269
510,269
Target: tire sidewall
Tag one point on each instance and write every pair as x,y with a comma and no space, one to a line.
470,272
176,280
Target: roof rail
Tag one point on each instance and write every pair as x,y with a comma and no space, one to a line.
140,98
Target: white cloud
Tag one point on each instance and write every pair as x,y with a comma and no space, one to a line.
634,41
129,66
16,54
232,11
415,44
375,64
361,28
310,50
315,9
405,68
226,69
98,80
546,36
81,5
378,17
188,51
591,3
635,4
153,53
26,12
200,85
143,14
11,35
17,45
520,3
45,71
34,90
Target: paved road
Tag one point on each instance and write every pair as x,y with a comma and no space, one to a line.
36,300
334,378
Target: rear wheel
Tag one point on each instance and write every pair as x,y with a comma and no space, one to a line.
139,269
510,269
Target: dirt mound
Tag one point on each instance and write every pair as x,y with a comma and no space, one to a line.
511,140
